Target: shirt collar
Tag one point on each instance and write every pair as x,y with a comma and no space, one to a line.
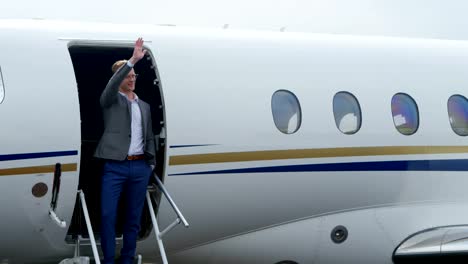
136,97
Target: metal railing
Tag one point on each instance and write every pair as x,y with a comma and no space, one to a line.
89,227
180,217
171,201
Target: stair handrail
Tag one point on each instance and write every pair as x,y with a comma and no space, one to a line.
171,201
97,260
180,217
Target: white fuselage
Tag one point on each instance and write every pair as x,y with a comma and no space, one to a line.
250,193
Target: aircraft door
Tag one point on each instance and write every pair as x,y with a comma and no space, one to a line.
91,80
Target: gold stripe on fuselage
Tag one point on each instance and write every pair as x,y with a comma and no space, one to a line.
312,153
37,169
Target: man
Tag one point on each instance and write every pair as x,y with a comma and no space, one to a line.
127,145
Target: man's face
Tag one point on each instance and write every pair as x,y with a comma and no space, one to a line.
128,84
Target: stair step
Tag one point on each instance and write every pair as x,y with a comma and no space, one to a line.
77,260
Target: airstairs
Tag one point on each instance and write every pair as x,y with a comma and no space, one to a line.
80,241
180,218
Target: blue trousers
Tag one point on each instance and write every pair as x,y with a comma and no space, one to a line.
132,178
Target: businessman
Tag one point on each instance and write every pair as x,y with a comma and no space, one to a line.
127,146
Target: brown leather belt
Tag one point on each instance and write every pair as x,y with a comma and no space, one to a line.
136,157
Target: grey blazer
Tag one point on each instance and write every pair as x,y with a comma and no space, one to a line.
115,141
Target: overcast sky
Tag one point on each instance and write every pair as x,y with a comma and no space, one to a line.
410,18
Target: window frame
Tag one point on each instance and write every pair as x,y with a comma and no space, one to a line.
449,116
298,107
417,113
358,106
2,87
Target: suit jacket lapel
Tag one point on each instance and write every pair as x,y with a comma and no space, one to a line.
143,118
129,110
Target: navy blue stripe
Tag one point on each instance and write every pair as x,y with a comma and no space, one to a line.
38,155
190,146
400,165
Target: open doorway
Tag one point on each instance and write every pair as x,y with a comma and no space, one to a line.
92,66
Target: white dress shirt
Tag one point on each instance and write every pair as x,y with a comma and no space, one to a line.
136,141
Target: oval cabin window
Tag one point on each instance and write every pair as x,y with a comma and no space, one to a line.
347,113
2,87
458,114
286,111
405,114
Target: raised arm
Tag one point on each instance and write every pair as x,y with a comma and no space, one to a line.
110,93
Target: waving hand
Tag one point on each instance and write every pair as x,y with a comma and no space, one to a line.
138,51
